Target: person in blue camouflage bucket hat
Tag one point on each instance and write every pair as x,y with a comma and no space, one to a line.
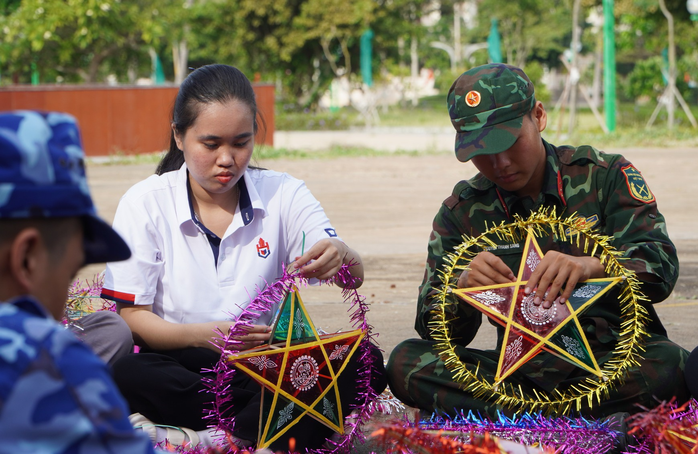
43,176
56,395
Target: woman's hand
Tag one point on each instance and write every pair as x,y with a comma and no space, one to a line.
325,258
558,272
159,334
209,337
485,269
256,336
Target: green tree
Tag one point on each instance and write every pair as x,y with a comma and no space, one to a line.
529,28
79,40
641,30
301,43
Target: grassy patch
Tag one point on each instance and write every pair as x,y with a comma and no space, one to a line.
429,112
268,153
631,129
264,153
342,119
126,159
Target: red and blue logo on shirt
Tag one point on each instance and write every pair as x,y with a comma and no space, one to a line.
263,248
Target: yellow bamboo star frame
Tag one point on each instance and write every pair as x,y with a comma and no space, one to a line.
279,356
561,401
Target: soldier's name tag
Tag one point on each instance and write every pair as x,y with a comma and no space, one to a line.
636,185
505,248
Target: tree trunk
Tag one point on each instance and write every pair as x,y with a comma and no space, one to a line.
574,70
97,59
414,68
180,51
670,97
401,65
598,65
180,60
457,47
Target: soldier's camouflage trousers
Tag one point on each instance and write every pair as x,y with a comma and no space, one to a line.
417,376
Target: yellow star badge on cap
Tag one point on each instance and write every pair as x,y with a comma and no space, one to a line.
473,98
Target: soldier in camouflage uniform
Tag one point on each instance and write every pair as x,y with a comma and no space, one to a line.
56,396
499,124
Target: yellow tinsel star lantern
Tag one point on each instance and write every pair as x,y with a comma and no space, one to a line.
530,328
298,370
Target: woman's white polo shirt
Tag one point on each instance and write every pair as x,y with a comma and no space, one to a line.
172,267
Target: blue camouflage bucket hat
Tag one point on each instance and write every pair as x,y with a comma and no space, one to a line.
42,175
487,105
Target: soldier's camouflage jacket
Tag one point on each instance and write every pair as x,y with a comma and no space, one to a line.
606,189
56,396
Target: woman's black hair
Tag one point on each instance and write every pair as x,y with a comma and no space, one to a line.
206,85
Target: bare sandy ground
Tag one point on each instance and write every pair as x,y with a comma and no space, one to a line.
383,207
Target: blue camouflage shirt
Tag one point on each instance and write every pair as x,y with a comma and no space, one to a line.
56,396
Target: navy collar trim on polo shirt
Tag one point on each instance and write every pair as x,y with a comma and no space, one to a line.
246,211
245,203
213,240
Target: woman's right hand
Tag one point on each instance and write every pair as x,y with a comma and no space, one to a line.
158,334
256,336
209,337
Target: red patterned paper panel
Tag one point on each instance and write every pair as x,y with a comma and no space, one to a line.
536,317
306,375
517,346
338,352
496,299
533,258
266,366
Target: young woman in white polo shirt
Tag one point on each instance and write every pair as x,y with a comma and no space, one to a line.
205,232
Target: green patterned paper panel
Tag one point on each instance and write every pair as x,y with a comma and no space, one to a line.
285,414
586,291
291,312
569,340
327,407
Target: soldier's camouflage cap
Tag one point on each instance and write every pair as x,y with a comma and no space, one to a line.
486,105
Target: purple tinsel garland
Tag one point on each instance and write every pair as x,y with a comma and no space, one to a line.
84,299
264,302
565,435
673,418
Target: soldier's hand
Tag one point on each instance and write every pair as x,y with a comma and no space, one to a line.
486,269
556,275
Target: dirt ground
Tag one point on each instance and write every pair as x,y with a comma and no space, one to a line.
383,207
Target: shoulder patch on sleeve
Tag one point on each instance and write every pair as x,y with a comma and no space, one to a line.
636,185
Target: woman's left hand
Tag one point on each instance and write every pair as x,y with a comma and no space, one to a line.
323,260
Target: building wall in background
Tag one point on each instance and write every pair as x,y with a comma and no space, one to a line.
125,119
